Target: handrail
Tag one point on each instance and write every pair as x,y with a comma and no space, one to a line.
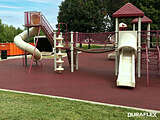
47,23
48,29
44,24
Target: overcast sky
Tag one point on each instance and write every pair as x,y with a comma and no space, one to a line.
12,11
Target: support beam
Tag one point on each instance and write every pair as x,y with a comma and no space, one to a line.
55,53
139,48
76,51
134,26
32,59
72,53
25,52
116,47
148,34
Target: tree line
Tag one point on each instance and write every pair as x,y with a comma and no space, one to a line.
96,15
7,33
91,16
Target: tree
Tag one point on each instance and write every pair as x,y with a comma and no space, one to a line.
86,15
96,15
151,9
7,33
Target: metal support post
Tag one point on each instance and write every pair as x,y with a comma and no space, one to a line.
55,53
148,34
25,52
72,53
116,47
134,26
76,51
139,48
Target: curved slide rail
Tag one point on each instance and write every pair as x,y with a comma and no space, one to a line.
19,41
127,49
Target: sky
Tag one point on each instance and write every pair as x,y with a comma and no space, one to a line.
12,11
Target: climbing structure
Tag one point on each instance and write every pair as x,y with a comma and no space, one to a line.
150,53
59,59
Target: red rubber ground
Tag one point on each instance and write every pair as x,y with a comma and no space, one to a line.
95,81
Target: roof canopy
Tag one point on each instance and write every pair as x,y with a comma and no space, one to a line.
145,19
128,10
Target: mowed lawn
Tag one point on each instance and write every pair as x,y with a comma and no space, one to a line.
18,106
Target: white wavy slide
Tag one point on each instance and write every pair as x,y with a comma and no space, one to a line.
127,48
20,43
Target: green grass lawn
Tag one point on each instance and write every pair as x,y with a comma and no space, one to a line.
16,106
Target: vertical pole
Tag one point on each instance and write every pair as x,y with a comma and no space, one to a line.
80,42
134,26
116,47
55,53
34,40
32,59
148,34
25,51
77,51
147,60
139,47
72,53
61,34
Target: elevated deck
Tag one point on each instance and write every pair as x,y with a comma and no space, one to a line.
37,19
32,19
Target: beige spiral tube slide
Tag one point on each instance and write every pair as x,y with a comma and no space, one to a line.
20,43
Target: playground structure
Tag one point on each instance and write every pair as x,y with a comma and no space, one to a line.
34,21
129,59
127,44
150,56
143,47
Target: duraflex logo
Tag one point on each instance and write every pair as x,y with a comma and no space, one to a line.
142,114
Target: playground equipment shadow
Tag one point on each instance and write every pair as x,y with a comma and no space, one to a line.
94,81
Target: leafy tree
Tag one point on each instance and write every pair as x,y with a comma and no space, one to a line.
151,9
88,15
7,33
96,15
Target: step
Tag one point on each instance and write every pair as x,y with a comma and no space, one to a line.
59,38
59,46
60,61
60,69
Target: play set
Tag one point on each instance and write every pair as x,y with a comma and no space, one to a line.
131,47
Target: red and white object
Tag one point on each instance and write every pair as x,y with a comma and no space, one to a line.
122,26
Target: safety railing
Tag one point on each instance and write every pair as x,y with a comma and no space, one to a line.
47,28
96,38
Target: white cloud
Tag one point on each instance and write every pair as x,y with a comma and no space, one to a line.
40,1
11,13
46,1
15,18
6,6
